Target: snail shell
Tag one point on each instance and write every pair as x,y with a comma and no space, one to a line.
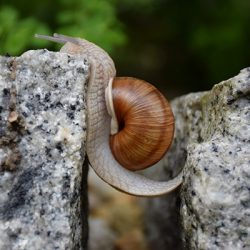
145,123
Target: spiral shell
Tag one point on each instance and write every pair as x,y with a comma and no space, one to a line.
145,121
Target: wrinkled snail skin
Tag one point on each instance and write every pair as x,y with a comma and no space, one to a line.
102,71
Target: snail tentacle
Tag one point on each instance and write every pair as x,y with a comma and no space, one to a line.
50,38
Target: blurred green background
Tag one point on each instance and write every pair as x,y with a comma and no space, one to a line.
178,45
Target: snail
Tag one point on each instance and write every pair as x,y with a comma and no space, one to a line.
105,124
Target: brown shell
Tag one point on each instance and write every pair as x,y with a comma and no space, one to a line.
146,123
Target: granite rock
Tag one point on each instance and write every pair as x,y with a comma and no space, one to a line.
43,200
212,143
216,190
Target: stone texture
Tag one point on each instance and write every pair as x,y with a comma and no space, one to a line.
212,142
216,189
43,200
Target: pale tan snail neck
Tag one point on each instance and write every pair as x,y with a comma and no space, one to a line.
99,123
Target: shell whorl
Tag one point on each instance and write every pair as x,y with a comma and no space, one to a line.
145,121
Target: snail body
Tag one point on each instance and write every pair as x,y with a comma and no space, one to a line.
100,104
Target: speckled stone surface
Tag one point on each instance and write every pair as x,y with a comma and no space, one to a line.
212,142
43,200
216,189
